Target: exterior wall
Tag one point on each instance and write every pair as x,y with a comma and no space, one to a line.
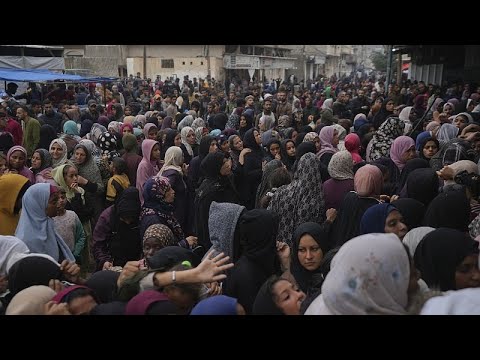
96,66
174,51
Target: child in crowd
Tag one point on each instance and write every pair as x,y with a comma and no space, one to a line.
119,180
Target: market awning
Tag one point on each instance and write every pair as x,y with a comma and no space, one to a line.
40,75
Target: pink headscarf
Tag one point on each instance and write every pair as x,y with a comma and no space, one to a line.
399,147
126,125
368,181
326,138
25,171
147,168
352,144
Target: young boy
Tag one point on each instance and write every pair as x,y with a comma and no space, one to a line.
119,180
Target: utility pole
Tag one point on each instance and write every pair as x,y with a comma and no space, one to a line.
144,61
207,55
304,65
399,68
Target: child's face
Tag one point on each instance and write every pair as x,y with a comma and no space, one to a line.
62,202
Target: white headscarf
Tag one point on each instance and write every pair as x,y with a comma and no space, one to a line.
10,245
369,276
184,134
459,302
30,301
414,236
173,160
340,166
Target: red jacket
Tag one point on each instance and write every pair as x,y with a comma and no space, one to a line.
14,128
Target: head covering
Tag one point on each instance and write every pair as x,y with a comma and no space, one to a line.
368,181
161,233
414,236
383,139
369,276
114,127
249,140
455,152
184,133
438,255
310,137
433,127
447,132
173,160
70,128
352,144
24,171
211,165
73,114
422,185
140,304
358,121
420,139
187,121
264,186
59,178
304,277
46,160
63,159
373,220
129,142
450,209
326,138
11,185
30,301
167,123
463,165
36,229
147,129
86,127
170,256
47,135
399,147
103,121
410,166
104,285
128,119
264,303
216,305
460,302
10,245
412,211
340,166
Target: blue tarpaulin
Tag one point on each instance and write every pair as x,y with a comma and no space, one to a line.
40,75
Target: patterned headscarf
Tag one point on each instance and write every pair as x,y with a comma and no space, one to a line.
95,133
326,138
384,137
161,233
340,166
108,145
310,137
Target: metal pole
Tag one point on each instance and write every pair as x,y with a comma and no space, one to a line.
144,61
399,69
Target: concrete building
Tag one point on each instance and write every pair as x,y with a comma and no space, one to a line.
221,62
310,61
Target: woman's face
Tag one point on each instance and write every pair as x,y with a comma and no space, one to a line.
460,122
150,247
226,168
191,138
318,144
17,160
36,160
467,274
3,165
72,176
310,254
413,115
448,110
80,156
225,147
51,210
213,147
290,149
335,138
152,134
288,297
237,143
127,111
394,224
155,153
127,130
294,135
429,149
409,154
243,121
258,138
56,151
274,149
178,140
82,305
390,105
170,195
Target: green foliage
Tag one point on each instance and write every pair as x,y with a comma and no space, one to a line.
379,61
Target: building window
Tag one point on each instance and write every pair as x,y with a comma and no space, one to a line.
183,62
191,62
201,62
168,63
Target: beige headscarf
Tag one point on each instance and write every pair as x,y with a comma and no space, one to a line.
173,160
460,166
30,301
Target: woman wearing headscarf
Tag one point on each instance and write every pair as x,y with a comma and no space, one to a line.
422,185
187,121
342,133
208,144
236,146
278,296
85,127
383,138
449,209
358,121
108,145
16,161
188,146
9,247
410,166
167,123
70,135
329,141
310,243
155,238
412,211
448,260
35,226
131,157
384,113
158,209
272,150
116,238
218,305
427,146
252,168
173,170
405,115
30,301
47,135
266,178
353,146
216,186
246,123
12,188
340,169
383,218
368,184
348,288
199,122
303,198
149,166
287,152
172,138
414,236
95,133
42,166
258,261
446,133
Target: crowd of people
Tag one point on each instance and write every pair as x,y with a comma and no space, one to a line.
334,196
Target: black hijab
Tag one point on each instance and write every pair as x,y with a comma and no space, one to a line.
422,185
104,284
412,211
170,256
204,147
47,135
450,209
264,303
438,255
211,165
288,161
249,140
411,165
306,278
